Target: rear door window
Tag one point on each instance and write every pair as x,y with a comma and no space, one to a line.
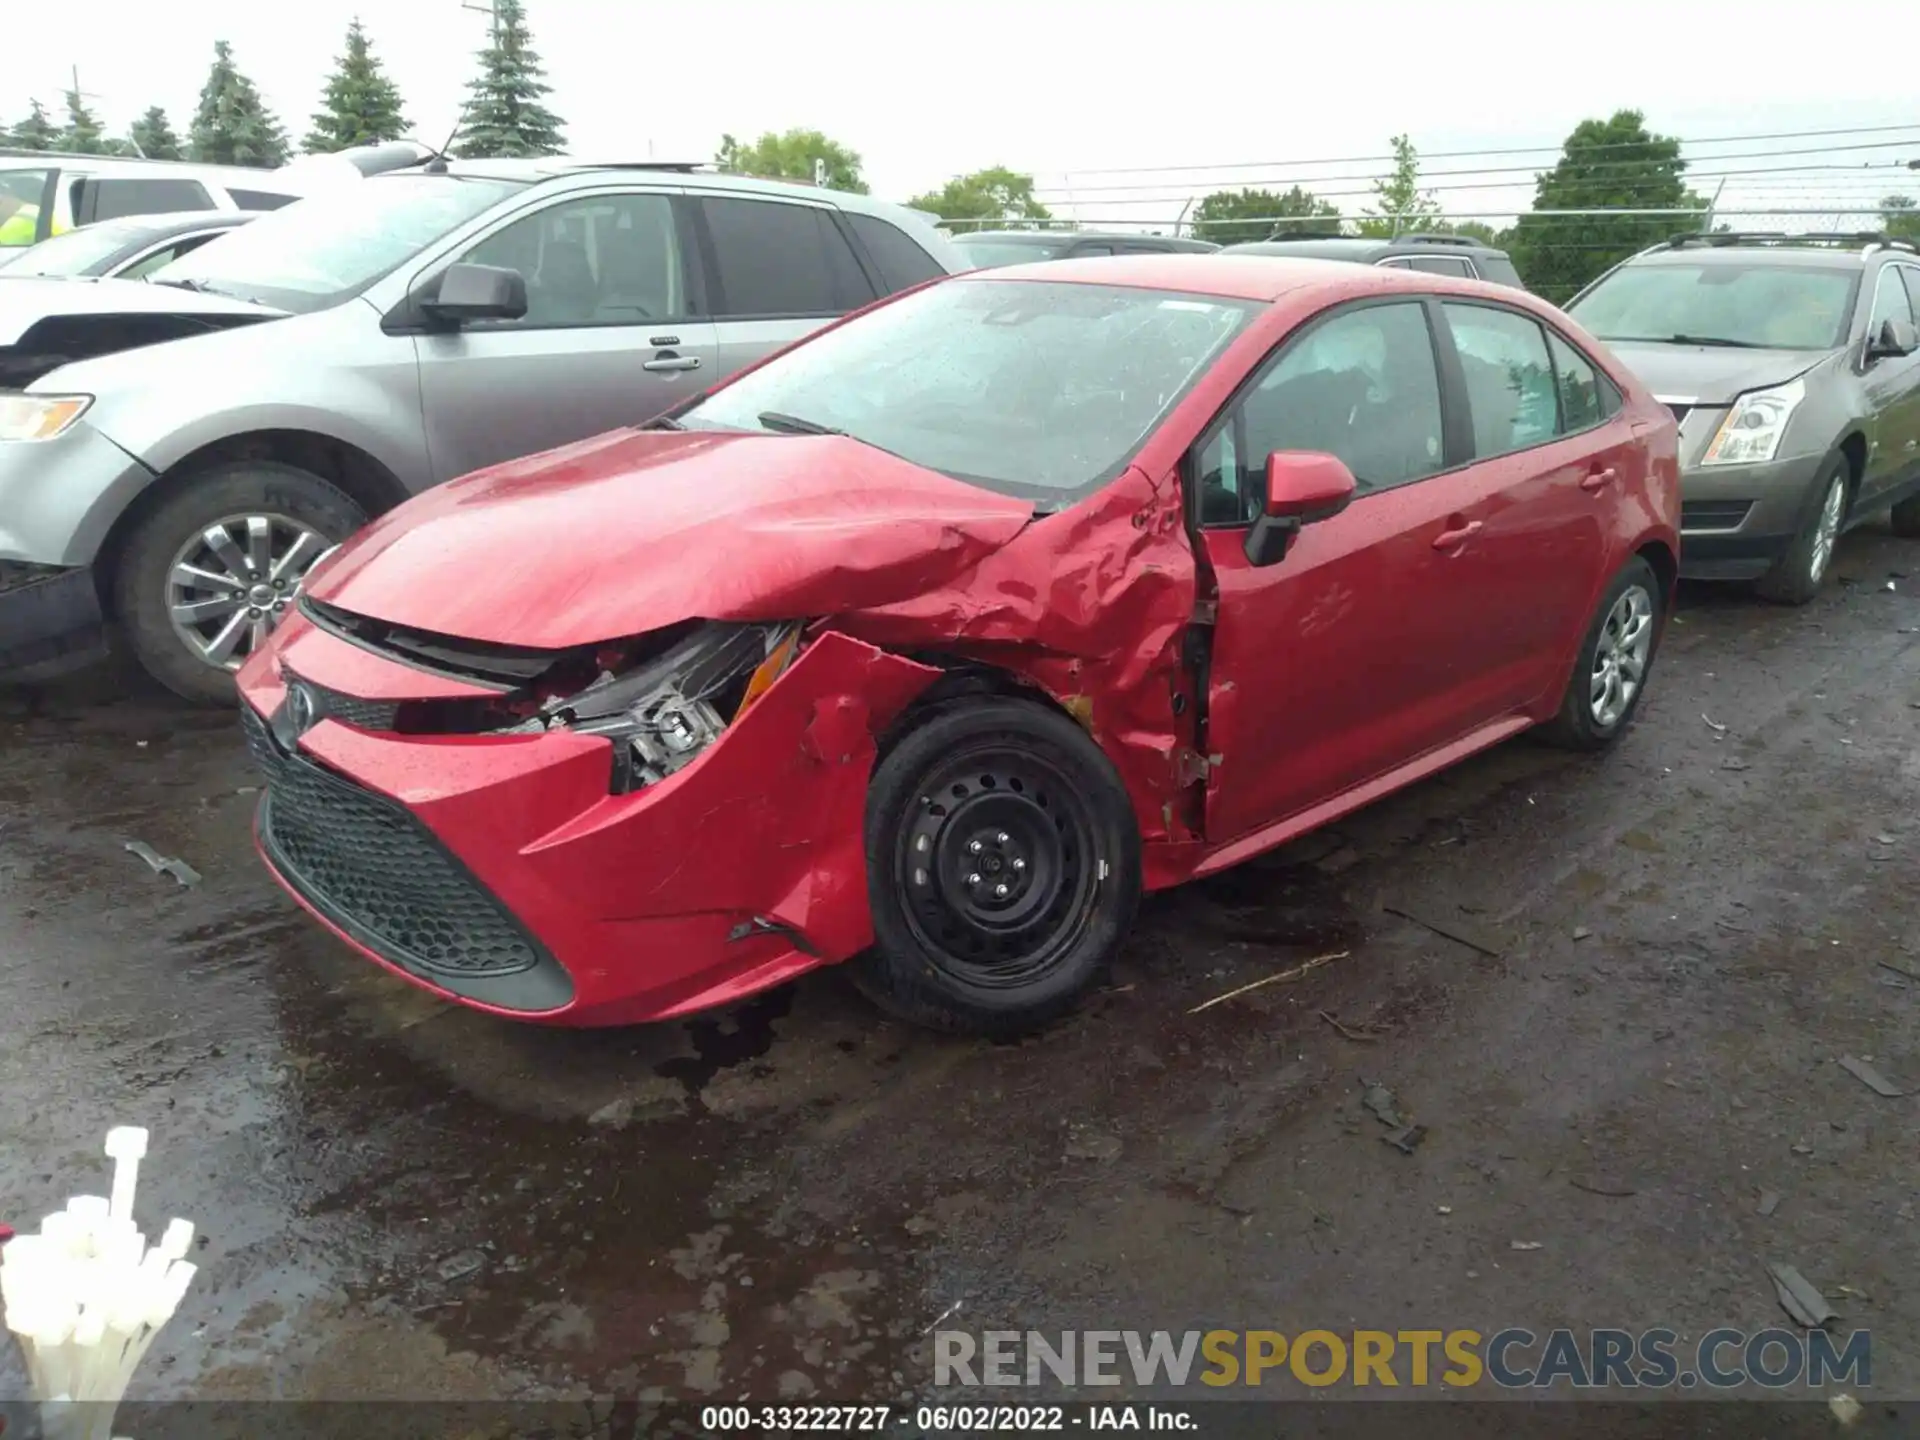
894,253
777,260
116,199
1511,387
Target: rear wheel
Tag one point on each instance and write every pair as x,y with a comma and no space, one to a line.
1610,675
218,564
1003,864
1798,575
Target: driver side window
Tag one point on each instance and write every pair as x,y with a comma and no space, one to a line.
1890,301
597,260
1363,385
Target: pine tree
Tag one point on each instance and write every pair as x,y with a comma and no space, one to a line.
36,132
82,135
361,106
233,125
504,116
154,137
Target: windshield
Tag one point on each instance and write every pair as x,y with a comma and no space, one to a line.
1042,390
318,252
20,193
985,254
1776,307
78,251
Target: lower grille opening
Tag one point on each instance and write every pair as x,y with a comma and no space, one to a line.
372,868
1713,514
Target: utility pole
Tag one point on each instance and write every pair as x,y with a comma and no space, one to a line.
489,9
74,90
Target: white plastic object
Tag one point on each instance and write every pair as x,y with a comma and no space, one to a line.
126,1147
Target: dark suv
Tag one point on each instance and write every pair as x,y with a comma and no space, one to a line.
1793,365
1435,254
990,248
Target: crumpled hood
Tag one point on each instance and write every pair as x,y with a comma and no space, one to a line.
26,301
638,529
1710,374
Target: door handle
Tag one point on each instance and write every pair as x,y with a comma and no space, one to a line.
673,362
1452,539
1599,480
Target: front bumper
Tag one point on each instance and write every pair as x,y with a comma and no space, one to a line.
60,497
50,621
1736,521
498,870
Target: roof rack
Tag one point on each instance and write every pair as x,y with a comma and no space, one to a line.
1782,237
1438,239
1281,232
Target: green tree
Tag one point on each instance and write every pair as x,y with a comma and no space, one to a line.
1611,164
1234,217
1400,206
1900,217
82,135
153,136
792,156
36,132
361,105
504,117
997,197
233,125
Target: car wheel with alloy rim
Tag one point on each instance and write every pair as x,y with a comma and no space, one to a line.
1798,575
1616,654
214,567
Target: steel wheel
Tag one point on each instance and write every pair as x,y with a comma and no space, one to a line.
232,583
1620,658
1826,533
997,867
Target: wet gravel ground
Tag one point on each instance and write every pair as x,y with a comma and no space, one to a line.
398,1198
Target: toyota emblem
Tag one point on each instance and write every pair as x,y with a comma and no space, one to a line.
303,708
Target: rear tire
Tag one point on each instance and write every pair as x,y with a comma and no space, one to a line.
1906,518
1798,575
1616,657
304,516
1003,865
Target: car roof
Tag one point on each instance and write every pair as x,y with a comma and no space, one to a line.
170,221
1787,251
117,167
1238,276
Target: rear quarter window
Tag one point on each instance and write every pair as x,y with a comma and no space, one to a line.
895,254
1499,270
259,199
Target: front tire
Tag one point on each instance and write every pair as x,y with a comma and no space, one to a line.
1610,676
217,564
1798,575
1003,866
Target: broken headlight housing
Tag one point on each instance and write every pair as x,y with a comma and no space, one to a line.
661,713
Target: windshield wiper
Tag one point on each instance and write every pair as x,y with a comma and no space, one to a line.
1714,341
794,424
663,422
199,287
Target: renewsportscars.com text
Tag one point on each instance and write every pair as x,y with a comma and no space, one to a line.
1513,1359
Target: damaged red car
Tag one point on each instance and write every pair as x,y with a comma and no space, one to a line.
932,642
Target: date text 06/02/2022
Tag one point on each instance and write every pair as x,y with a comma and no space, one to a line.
940,1419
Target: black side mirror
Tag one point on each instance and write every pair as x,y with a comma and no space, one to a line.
476,292
1302,486
1896,338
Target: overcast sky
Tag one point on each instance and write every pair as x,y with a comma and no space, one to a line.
1063,88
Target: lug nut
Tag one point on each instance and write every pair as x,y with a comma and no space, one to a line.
1019,864
1000,892
1001,838
973,847
973,879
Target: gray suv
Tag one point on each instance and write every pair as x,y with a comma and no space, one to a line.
175,454
1793,366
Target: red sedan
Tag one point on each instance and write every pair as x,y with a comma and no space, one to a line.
930,643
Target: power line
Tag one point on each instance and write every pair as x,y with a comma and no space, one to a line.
1602,165
1471,154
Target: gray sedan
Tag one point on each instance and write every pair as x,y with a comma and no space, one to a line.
128,249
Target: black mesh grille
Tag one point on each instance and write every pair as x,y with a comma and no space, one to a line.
377,872
352,710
